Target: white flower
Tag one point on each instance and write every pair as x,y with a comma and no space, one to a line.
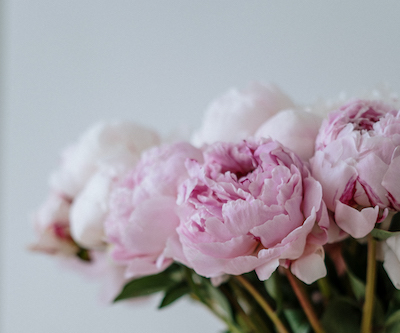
88,168
103,144
89,210
295,129
238,114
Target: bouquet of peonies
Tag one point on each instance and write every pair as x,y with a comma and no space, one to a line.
277,217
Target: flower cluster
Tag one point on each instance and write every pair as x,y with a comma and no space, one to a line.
263,186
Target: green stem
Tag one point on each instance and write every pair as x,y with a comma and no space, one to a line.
257,321
238,309
368,308
263,303
325,288
304,302
195,289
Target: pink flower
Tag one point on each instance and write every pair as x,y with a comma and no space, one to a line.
357,162
252,205
143,218
238,114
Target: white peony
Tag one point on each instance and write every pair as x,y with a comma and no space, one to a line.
295,129
103,144
238,114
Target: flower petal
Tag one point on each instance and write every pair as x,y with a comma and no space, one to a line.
356,223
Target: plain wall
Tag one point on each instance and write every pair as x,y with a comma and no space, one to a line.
68,64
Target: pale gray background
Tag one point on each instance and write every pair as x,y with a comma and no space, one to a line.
67,64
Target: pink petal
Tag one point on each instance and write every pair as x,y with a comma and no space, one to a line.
238,246
370,172
240,216
312,195
141,266
356,223
264,271
309,268
295,242
273,231
334,178
391,180
150,225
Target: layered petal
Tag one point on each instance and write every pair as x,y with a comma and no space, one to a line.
249,206
141,225
357,163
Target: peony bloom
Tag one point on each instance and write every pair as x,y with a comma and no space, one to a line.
104,144
71,221
142,220
252,205
238,114
357,161
382,93
105,152
298,128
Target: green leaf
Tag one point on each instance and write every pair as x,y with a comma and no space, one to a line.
393,318
393,323
382,235
355,256
149,284
394,328
297,320
219,299
357,286
341,316
174,293
83,254
394,303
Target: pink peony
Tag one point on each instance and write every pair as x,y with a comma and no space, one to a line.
252,205
357,161
238,114
143,218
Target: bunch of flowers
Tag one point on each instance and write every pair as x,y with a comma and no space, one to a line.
277,217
